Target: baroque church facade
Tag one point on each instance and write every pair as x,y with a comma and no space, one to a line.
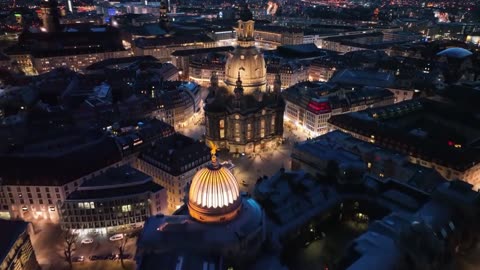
244,116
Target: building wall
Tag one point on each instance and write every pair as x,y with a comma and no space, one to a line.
288,77
175,185
163,52
21,256
320,73
114,214
402,94
74,62
470,175
39,202
245,133
316,124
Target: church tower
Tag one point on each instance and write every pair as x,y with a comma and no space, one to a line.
245,30
50,15
246,58
277,84
164,19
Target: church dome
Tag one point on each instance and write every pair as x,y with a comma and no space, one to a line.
455,52
214,195
246,60
251,65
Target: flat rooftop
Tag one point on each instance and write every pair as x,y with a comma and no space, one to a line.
123,175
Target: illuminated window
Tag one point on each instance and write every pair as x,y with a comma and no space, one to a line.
249,131
262,128
222,129
126,208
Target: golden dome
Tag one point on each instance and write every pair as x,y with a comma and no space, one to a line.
246,59
214,194
251,65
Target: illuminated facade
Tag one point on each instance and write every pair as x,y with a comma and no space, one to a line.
244,117
309,105
117,199
172,162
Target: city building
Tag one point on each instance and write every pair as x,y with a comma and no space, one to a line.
74,46
372,41
172,162
316,156
198,64
244,118
16,250
445,139
309,105
176,102
56,168
163,47
221,229
116,200
291,72
278,35
130,67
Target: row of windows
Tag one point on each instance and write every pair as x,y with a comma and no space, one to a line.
103,223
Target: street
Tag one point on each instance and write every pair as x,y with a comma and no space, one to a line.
48,244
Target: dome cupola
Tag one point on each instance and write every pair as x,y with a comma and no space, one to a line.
214,195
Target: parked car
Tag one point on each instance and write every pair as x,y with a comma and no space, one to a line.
95,258
87,241
78,259
116,237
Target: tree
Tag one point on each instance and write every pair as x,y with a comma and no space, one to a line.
69,245
121,248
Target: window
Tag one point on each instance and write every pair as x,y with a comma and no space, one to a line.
222,128
262,128
126,208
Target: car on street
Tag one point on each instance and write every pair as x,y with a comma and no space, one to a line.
95,258
116,237
87,241
78,259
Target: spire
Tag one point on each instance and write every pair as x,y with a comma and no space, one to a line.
164,19
277,84
245,30
239,88
213,152
214,80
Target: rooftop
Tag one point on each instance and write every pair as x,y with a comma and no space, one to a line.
11,231
439,143
119,176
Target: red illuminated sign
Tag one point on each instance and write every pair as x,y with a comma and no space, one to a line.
319,107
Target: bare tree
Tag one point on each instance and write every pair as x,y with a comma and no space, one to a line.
69,245
121,248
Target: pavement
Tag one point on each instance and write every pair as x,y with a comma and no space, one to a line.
48,244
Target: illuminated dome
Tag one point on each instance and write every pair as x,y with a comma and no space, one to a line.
455,52
246,59
214,194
